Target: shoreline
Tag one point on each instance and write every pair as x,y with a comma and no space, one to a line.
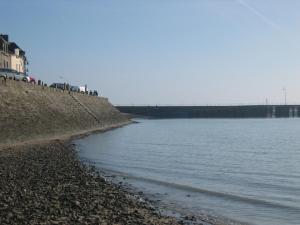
66,137
183,216
44,182
169,209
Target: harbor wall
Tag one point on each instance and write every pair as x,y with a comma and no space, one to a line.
250,111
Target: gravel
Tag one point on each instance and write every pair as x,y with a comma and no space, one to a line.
47,184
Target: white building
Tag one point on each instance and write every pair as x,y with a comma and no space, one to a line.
4,54
11,55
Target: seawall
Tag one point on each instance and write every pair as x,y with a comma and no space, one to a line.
31,112
43,181
250,111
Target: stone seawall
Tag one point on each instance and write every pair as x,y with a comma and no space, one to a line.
32,112
247,111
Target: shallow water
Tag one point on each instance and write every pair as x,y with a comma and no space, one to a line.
244,169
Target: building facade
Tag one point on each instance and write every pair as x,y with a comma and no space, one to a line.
4,54
11,55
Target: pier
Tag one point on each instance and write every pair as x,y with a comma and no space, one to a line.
247,111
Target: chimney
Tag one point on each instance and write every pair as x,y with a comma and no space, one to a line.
17,52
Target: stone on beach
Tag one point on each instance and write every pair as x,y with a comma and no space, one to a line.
47,184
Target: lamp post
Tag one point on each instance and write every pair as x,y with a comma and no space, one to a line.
284,92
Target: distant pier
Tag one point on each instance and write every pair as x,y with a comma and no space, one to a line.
248,111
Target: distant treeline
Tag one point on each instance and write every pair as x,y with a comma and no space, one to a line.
251,111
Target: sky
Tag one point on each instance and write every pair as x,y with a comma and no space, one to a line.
163,52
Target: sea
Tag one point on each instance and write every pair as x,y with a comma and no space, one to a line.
241,170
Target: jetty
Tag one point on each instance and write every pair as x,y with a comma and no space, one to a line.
240,111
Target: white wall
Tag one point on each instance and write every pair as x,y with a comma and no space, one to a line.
17,63
4,60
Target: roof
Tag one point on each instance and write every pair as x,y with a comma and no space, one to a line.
12,46
4,37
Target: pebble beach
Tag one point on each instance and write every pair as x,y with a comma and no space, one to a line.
47,184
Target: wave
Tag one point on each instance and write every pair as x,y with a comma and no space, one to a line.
224,195
163,144
168,172
269,174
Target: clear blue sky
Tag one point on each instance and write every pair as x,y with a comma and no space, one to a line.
163,51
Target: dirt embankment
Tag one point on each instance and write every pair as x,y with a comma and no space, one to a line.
32,112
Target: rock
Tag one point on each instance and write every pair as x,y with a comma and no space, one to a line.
77,203
41,184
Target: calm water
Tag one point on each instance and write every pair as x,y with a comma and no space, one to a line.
247,170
